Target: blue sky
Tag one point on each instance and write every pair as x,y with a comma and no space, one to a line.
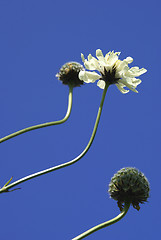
36,38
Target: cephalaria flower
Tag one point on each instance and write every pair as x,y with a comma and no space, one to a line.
111,71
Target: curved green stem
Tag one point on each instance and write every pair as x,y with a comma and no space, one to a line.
5,189
105,224
43,124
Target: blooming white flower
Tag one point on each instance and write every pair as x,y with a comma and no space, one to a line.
112,70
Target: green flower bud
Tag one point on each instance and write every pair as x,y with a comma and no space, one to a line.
129,184
68,74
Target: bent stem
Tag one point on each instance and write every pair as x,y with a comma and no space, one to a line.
5,189
105,224
43,124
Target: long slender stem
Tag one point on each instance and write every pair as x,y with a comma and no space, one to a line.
43,124
105,224
5,188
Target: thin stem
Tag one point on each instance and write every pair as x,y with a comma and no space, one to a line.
105,224
43,124
5,188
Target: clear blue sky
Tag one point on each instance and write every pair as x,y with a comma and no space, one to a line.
36,38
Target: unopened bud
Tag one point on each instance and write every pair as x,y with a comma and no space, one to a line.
68,74
129,185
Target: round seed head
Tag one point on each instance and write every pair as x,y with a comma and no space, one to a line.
68,74
129,184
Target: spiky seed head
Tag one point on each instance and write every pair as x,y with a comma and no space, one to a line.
129,184
68,74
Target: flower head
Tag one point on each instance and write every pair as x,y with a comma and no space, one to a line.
129,184
112,71
68,74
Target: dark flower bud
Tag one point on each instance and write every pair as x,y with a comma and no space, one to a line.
129,185
68,74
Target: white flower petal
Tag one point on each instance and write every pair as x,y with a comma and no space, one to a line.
99,53
135,72
121,66
92,64
101,58
95,63
89,57
107,56
101,84
89,65
128,83
88,76
82,56
128,60
121,88
113,57
136,81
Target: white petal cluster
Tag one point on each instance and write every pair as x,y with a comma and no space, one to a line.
127,76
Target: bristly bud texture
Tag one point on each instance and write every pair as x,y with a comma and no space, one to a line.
129,184
68,74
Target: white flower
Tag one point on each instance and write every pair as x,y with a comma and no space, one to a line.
112,70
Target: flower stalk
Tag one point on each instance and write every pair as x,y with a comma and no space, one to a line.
6,188
105,224
15,134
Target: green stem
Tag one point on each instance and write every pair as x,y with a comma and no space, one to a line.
5,188
105,224
43,124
